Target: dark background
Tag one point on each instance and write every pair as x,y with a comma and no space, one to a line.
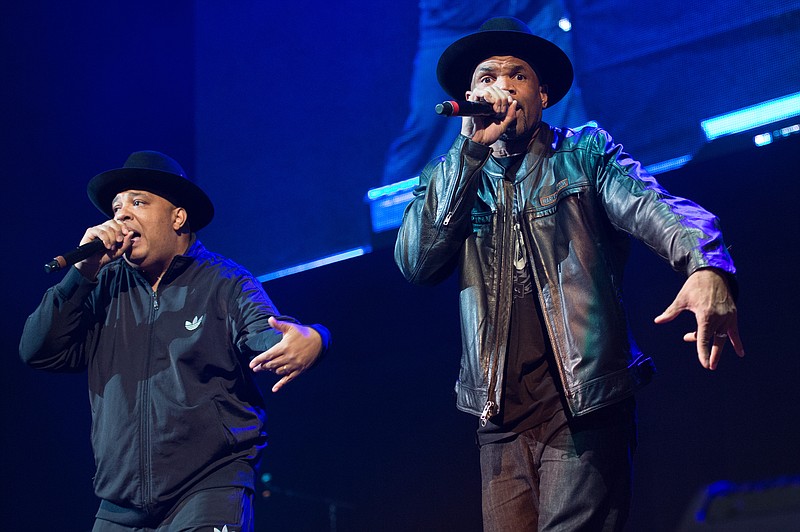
265,104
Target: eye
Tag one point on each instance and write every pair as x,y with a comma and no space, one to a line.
520,77
486,80
137,202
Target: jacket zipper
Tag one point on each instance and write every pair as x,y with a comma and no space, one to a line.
458,199
490,408
455,200
145,419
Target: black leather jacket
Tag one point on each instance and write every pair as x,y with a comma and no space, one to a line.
579,196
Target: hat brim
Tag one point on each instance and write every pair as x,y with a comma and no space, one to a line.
457,63
177,189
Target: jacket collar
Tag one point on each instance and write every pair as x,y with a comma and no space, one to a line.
538,150
181,262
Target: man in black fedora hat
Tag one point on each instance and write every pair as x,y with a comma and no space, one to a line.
537,221
170,335
425,135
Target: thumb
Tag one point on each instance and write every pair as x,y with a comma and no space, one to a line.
669,314
280,326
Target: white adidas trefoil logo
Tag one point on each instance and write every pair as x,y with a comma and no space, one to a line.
190,326
224,528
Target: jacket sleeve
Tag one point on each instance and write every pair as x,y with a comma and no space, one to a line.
56,334
438,220
680,231
251,310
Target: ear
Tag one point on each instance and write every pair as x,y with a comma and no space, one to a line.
179,218
543,95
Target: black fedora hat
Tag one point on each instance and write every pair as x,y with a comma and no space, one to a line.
157,173
504,36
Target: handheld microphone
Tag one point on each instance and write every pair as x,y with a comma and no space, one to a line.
76,255
465,108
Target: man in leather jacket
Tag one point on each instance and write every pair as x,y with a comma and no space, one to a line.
170,335
537,221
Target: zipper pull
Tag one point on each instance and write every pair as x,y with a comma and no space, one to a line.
488,410
155,301
447,218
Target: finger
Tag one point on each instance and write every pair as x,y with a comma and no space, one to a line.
716,350
115,231
285,380
126,241
278,325
110,233
119,247
261,362
273,357
100,234
703,353
124,235
112,227
511,110
736,341
278,385
502,103
669,314
705,341
257,363
488,94
267,361
274,352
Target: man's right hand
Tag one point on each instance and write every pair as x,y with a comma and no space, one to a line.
115,237
487,130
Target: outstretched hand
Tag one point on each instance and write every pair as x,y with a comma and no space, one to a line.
296,352
706,294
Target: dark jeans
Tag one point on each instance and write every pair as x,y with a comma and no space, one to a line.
204,510
577,479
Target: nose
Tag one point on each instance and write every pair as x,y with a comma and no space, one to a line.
122,214
505,83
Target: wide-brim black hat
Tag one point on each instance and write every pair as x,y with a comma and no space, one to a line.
157,173
504,36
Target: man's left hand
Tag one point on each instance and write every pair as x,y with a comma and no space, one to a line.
706,294
296,352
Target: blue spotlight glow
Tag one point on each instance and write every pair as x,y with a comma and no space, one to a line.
394,188
386,204
565,24
753,116
357,252
666,166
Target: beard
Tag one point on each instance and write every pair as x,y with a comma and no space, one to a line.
512,135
